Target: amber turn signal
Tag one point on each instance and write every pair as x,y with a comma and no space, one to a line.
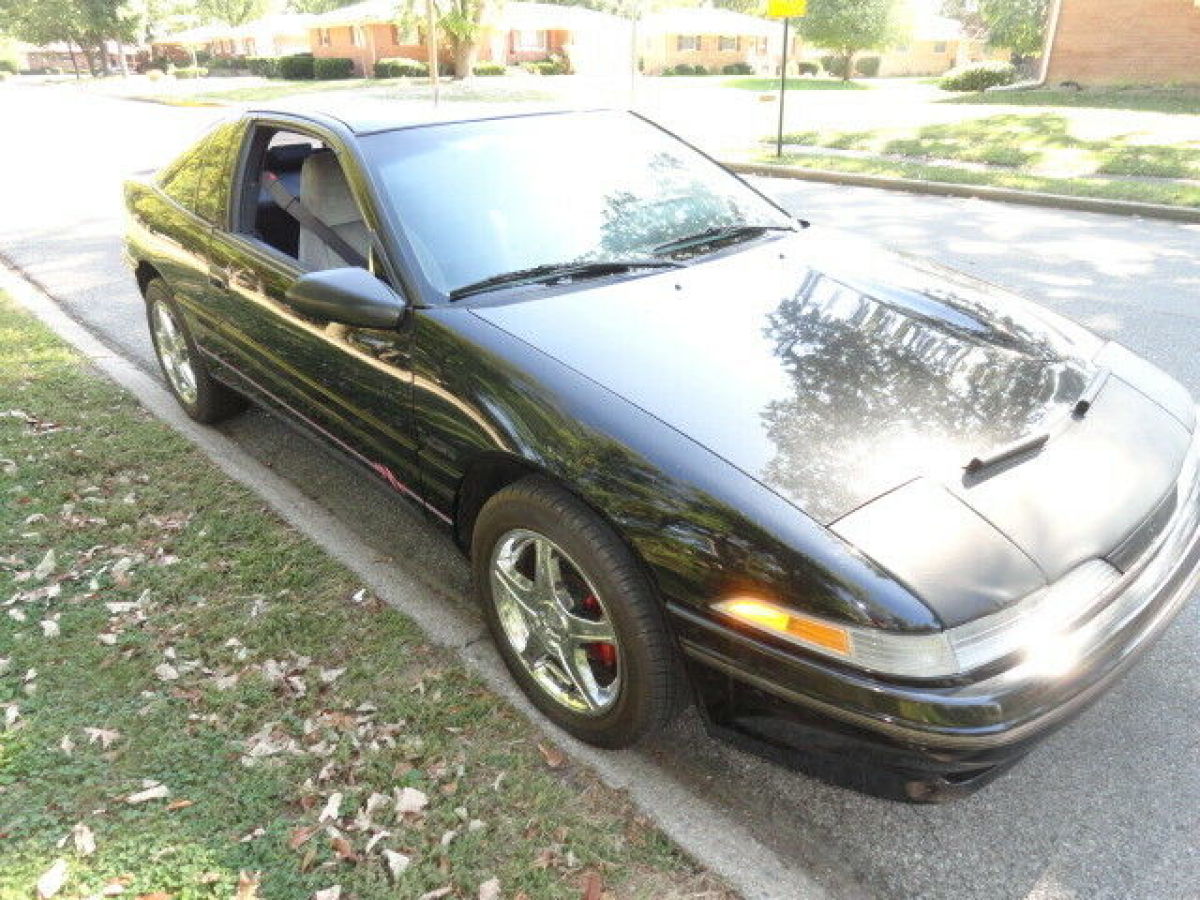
771,618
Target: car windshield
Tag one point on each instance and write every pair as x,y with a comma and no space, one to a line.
482,199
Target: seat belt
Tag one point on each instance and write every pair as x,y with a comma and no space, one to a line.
293,207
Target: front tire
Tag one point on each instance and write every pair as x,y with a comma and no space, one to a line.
202,397
573,615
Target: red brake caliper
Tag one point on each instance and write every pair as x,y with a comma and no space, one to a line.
603,653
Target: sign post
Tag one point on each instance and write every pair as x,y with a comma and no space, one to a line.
786,10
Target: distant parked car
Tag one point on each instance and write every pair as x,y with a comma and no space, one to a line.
878,519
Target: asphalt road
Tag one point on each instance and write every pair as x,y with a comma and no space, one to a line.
1108,807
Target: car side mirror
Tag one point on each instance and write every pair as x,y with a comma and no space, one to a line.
352,296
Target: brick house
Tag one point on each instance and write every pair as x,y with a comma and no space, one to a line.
1124,42
519,32
713,38
934,45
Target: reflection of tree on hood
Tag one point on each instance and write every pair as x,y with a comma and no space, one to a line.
882,393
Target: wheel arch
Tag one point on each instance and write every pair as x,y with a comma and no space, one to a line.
145,272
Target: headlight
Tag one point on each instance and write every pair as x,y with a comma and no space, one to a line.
1031,626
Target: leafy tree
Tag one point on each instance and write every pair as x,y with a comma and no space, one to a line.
848,27
317,6
232,12
461,21
1016,25
749,7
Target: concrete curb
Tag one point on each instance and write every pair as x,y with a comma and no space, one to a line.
978,192
702,829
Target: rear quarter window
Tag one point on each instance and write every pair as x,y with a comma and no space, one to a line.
181,178
199,179
219,156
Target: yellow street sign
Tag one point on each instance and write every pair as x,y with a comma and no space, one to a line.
787,9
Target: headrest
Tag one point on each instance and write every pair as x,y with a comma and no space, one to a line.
323,189
287,157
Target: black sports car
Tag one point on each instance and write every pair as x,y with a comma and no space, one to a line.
880,520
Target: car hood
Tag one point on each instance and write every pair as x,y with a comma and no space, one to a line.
834,372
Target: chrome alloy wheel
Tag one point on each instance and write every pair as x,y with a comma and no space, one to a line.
173,352
555,622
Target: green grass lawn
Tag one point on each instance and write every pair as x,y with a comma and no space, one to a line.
752,83
1041,151
196,702
275,89
1167,100
1171,193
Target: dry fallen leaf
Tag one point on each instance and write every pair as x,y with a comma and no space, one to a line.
553,756
593,886
179,804
396,863
105,737
438,894
52,880
156,792
490,889
410,800
85,839
50,628
301,836
157,895
166,672
43,569
247,886
332,808
330,893
343,849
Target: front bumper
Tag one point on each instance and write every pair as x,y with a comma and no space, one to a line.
931,741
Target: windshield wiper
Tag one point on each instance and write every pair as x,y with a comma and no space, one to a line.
551,272
719,234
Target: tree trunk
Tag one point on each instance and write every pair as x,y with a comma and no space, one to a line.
848,61
464,59
74,58
91,59
105,68
122,62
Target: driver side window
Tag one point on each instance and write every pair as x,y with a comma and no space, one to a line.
301,203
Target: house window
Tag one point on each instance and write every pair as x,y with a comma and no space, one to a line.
727,43
403,35
687,42
356,36
939,47
323,37
530,40
251,47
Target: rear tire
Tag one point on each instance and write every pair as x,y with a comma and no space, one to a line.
616,696
202,397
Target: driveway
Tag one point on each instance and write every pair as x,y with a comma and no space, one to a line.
1109,807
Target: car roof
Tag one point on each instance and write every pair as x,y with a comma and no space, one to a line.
369,116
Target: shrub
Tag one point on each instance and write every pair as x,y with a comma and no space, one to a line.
203,57
834,65
263,66
737,68
490,69
328,68
400,67
9,66
547,67
191,72
979,77
160,64
155,74
228,63
808,68
685,69
867,66
296,68
699,70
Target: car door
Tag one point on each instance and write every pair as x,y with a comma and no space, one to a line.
350,386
